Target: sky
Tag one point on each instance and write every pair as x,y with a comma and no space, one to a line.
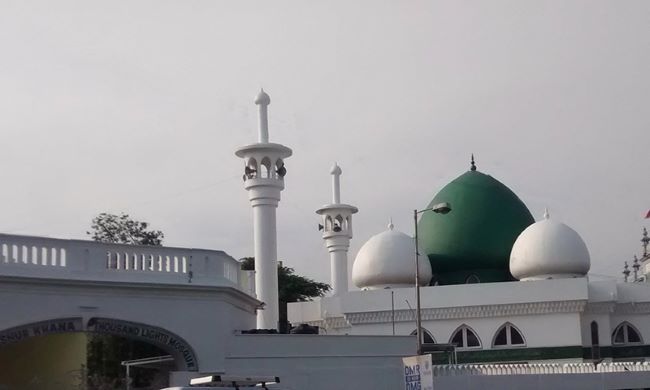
138,107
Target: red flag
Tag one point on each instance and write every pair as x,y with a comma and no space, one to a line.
647,215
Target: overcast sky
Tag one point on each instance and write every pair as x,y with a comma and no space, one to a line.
138,106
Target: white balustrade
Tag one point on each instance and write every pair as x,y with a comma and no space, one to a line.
537,368
40,257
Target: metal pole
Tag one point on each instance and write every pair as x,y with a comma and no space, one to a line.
418,319
128,377
392,309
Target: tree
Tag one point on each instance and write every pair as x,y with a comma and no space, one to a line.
105,352
291,287
122,229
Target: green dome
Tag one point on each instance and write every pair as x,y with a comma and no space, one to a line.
476,237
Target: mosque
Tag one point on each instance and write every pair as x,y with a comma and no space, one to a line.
484,284
494,283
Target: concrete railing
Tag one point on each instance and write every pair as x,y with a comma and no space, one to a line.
40,257
536,369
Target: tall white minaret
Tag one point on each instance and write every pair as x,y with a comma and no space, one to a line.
337,232
264,173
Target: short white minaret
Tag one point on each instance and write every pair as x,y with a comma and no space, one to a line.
264,173
337,232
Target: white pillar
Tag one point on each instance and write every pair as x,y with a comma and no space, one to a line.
266,264
264,195
337,237
339,268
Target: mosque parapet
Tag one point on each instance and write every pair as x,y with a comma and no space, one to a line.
41,257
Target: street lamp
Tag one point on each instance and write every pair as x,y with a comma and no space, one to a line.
440,208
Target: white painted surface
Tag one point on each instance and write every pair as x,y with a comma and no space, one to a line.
337,233
263,100
266,268
549,250
387,260
204,316
40,257
264,185
336,183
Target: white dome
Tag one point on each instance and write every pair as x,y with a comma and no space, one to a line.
387,260
549,250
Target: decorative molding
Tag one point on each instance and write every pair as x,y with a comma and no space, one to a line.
600,308
618,308
482,311
632,308
331,323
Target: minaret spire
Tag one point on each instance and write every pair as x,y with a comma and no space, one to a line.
644,242
264,173
337,232
336,183
263,100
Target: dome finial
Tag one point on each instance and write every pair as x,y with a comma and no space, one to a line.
262,98
472,164
390,223
546,214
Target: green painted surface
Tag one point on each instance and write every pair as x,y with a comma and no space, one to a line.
476,237
513,355
630,351
519,354
545,353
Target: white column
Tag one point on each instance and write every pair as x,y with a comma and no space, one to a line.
266,269
264,195
337,241
339,270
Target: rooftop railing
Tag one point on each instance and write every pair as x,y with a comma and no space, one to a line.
40,257
536,369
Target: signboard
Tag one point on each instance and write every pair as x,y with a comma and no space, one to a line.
154,335
43,328
418,373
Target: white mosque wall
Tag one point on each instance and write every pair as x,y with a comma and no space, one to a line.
446,307
549,330
468,295
605,329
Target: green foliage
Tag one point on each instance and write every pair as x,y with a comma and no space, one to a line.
291,287
121,229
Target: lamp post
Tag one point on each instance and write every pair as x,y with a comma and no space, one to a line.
440,208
